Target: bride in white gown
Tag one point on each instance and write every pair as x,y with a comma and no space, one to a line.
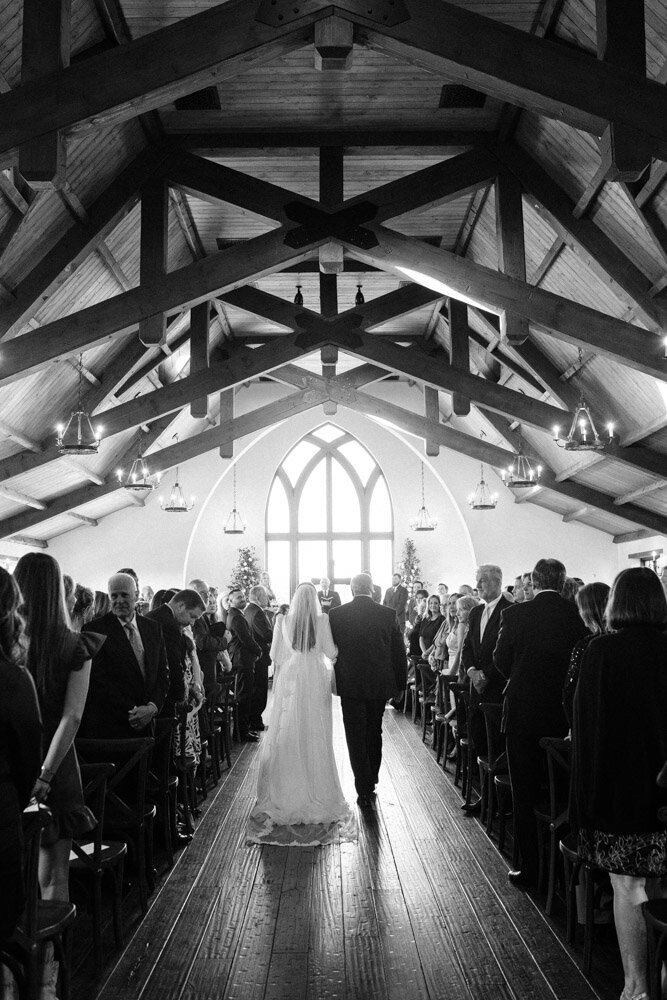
299,796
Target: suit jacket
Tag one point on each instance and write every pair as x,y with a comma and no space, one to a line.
371,663
208,646
260,630
243,649
116,681
480,654
397,598
377,593
332,600
177,649
533,652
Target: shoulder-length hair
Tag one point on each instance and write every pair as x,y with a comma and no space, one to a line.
636,598
40,581
591,599
301,620
11,622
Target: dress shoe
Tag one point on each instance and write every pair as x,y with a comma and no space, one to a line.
258,727
520,879
472,808
249,738
182,839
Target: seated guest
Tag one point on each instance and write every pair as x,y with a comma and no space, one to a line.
20,757
129,677
591,601
532,653
327,597
619,744
59,661
180,611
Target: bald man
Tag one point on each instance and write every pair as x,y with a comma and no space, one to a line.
129,678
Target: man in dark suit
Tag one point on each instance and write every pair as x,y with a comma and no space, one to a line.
129,677
371,668
210,640
486,684
327,597
182,610
396,598
262,633
244,651
533,652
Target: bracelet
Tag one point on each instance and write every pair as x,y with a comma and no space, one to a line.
46,775
44,781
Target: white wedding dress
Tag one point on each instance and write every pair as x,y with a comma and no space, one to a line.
299,797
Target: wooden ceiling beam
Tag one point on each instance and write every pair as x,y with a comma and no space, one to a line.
642,491
153,250
632,536
16,496
114,86
548,78
511,250
490,290
592,245
646,430
217,141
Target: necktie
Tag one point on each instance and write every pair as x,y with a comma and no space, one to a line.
136,644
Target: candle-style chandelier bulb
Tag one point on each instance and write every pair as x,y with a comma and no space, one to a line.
359,299
298,298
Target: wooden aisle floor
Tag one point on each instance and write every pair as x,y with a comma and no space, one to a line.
418,909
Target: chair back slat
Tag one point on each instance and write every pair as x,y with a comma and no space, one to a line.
34,819
126,794
495,739
94,779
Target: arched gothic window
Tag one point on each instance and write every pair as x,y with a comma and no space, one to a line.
328,514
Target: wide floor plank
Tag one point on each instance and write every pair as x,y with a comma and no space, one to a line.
418,908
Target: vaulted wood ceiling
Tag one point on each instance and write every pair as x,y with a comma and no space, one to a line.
492,175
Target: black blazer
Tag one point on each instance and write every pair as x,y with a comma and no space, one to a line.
332,600
371,663
243,649
261,631
177,649
209,643
480,655
533,652
397,598
116,681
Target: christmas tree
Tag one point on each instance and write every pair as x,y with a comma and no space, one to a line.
246,572
410,564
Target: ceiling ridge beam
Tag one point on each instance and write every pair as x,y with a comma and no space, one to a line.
447,140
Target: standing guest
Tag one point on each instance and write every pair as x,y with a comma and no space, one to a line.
370,669
102,604
396,598
327,597
464,606
20,755
412,603
465,590
129,678
486,684
84,605
518,594
430,626
376,589
59,661
570,589
615,798
69,586
180,611
591,601
533,652
414,649
262,633
443,593
265,581
210,642
244,651
278,649
223,607
527,586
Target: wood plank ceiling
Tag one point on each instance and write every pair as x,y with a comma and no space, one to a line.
493,176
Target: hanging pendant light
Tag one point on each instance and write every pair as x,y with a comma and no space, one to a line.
521,474
423,521
298,298
77,436
359,299
234,525
583,435
177,504
482,498
139,478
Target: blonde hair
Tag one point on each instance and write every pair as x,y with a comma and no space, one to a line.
301,619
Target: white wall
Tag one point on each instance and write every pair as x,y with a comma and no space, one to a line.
169,549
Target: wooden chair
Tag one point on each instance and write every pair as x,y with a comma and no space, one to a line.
43,920
577,869
468,753
493,762
655,915
426,697
215,735
162,788
553,817
186,766
128,816
91,858
443,718
503,792
460,728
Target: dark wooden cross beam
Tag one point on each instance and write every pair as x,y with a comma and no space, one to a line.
445,141
154,248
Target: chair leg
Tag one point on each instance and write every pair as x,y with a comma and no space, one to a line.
97,923
118,904
553,870
490,803
541,871
589,925
501,823
141,864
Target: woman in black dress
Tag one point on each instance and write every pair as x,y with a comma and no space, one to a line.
619,744
591,601
20,753
59,661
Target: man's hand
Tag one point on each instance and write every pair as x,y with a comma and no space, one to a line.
478,678
141,715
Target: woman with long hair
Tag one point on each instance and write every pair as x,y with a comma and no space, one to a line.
619,744
59,661
84,606
299,796
591,600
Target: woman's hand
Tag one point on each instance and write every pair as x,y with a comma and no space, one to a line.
41,789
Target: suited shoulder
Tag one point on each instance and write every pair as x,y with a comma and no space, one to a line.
101,624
